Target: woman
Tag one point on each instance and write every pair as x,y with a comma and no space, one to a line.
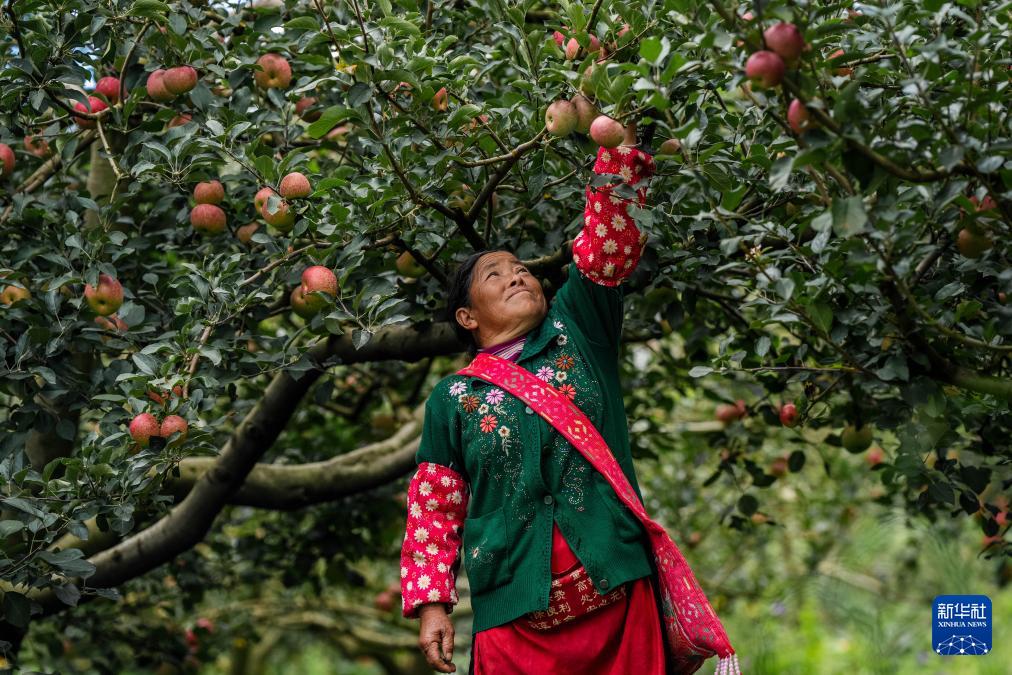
559,570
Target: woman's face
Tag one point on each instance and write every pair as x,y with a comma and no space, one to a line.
506,299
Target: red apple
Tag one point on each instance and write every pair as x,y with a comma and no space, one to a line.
180,119
789,415
171,425
765,69
95,105
561,118
786,40
305,109
156,86
318,278
875,456
586,113
209,192
572,49
294,186
180,79
113,323
986,204
559,38
108,87
105,299
35,145
1002,298
607,132
143,427
779,467
7,160
208,218
246,232
798,117
843,70
728,413
261,197
283,218
440,100
275,72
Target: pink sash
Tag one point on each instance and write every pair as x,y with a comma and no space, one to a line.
694,633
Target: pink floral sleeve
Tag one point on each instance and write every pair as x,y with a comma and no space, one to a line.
437,507
609,245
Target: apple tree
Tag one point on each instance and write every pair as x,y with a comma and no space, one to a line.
228,230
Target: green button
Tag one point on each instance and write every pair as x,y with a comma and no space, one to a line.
548,499
528,410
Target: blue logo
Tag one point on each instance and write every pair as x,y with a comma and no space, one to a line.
961,625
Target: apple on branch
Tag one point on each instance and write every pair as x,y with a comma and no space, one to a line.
294,186
274,72
561,118
7,160
105,299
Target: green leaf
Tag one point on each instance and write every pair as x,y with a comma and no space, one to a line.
9,527
748,504
17,609
700,371
650,49
150,9
146,363
330,118
400,26
822,315
780,172
849,217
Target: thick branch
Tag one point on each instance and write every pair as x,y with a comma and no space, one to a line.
288,487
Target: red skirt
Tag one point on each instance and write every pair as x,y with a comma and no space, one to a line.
620,638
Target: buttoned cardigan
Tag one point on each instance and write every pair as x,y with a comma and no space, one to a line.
493,475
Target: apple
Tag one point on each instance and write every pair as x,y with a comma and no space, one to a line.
765,69
112,322
209,192
246,232
95,105
108,87
559,38
205,624
283,218
338,133
171,425
35,145
586,87
295,185
105,299
875,456
786,41
155,86
856,439
440,100
208,218
572,49
779,467
586,112
180,79
12,295
384,601
143,427
1002,298
798,117
179,120
275,72
729,413
161,398
298,302
561,118
985,204
671,146
318,278
595,45
788,414
261,197
844,70
304,108
607,132
694,538
972,244
7,160
408,267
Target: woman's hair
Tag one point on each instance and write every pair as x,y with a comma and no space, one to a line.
460,296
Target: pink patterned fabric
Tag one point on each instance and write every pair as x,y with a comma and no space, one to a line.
609,245
437,506
693,630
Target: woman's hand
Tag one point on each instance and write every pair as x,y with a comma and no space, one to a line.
435,637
